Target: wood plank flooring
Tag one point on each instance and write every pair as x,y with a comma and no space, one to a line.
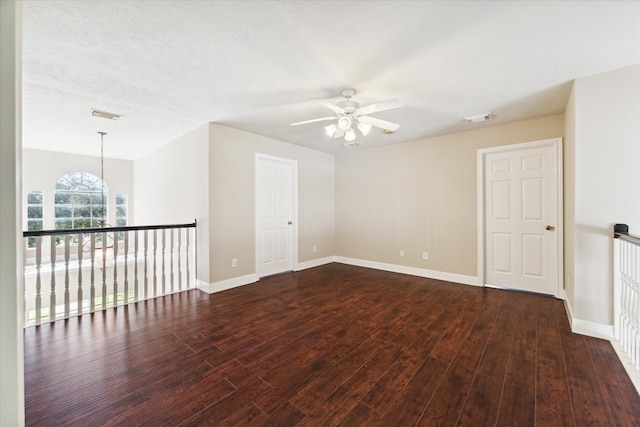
332,345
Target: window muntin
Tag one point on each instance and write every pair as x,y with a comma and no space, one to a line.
121,213
35,203
80,201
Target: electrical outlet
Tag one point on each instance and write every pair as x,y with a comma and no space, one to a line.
234,262
425,255
314,248
402,252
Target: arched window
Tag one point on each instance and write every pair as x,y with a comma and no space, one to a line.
80,201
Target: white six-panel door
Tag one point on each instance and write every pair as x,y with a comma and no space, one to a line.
275,213
521,217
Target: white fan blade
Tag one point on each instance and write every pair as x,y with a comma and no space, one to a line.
334,108
383,124
380,106
321,119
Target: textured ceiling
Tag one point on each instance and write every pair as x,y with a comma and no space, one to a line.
171,66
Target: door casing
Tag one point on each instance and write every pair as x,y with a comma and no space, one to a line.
294,209
481,158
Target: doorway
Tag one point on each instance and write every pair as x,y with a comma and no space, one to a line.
520,216
276,215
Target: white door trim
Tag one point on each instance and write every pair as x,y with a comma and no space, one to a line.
481,155
294,208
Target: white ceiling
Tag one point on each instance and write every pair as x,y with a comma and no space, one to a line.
171,66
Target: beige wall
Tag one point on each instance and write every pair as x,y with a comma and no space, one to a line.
171,186
232,205
421,197
209,173
607,183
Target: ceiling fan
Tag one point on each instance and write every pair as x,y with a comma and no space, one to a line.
349,115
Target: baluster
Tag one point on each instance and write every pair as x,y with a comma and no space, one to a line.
125,297
179,259
635,261
115,269
633,322
628,293
67,253
636,287
52,301
155,263
146,275
135,266
38,280
187,232
164,281
80,253
625,293
104,269
171,252
623,301
631,327
194,247
629,298
92,289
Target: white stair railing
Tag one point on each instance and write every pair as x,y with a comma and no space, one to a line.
626,305
113,260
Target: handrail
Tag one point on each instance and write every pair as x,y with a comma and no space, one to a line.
104,229
621,231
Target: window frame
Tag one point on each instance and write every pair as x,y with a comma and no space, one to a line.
85,197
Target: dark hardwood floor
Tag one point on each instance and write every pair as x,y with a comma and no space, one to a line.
332,345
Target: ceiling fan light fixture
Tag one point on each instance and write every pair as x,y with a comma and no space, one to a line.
331,130
349,135
350,118
344,123
364,128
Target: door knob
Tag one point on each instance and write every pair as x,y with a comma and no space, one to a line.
550,227
289,222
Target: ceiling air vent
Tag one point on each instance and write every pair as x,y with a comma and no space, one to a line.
479,118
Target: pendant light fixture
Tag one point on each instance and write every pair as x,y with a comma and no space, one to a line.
103,220
104,248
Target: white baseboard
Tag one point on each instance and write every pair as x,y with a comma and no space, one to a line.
223,285
569,310
586,327
592,329
413,271
314,263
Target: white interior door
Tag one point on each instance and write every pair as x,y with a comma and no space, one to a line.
522,219
275,215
